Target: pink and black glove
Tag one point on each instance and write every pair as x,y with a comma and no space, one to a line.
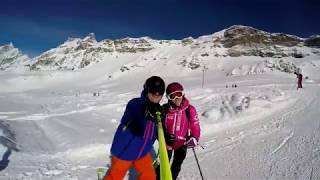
191,142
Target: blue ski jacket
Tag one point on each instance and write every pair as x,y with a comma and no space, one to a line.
136,133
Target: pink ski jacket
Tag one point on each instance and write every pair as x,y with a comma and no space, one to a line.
176,122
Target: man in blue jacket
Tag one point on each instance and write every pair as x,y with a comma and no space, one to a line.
136,133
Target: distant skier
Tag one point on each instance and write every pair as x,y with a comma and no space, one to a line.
136,133
299,77
181,126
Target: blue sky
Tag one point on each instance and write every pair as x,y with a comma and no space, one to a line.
34,26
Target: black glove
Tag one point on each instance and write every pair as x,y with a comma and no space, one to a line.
151,110
169,138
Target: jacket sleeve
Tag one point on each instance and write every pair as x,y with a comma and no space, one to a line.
134,119
194,123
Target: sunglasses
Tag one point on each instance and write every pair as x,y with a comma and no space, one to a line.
156,91
156,94
175,95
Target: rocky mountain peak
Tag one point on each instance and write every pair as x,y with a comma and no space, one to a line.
237,40
11,57
6,47
8,50
246,36
241,30
90,38
313,41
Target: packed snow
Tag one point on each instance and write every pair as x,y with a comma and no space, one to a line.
255,123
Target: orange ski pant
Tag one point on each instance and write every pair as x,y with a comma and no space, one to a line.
120,167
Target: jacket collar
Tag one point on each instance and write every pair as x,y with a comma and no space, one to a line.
144,97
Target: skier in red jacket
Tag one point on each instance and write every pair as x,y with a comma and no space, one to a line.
299,77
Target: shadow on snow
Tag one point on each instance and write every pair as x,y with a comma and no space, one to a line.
8,141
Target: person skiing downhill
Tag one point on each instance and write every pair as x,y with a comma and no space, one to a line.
299,77
181,127
136,133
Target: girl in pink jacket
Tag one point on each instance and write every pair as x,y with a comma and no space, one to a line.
181,126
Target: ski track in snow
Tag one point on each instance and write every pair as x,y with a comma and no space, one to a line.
45,116
298,108
283,143
230,142
277,123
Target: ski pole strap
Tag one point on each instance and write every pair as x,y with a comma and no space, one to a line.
156,162
165,172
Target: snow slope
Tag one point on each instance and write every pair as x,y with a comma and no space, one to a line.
60,124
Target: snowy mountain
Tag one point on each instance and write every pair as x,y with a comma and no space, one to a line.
313,41
12,58
234,41
78,53
255,124
247,41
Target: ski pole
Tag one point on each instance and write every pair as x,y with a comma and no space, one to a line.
201,146
101,173
195,155
165,172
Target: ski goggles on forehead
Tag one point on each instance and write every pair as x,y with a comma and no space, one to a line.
175,95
